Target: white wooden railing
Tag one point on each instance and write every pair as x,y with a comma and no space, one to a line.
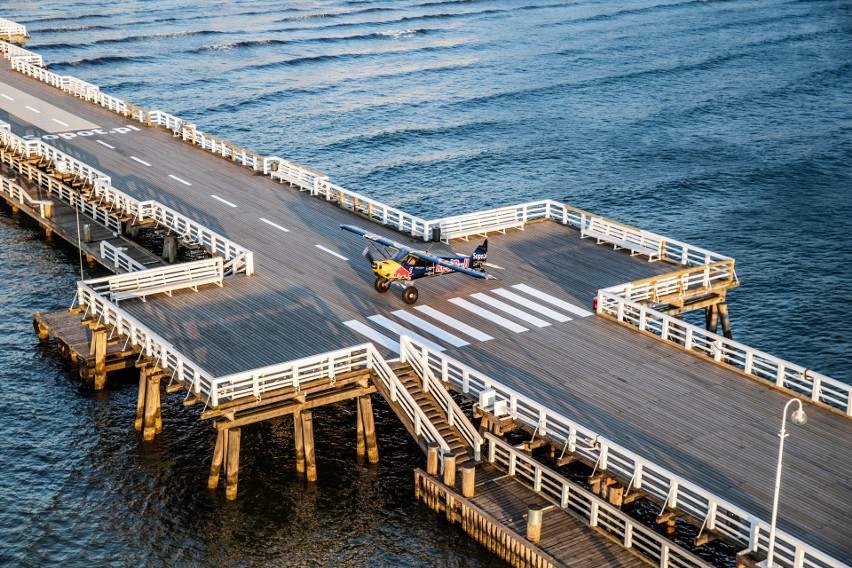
680,284
10,29
800,380
375,210
159,280
13,52
673,490
163,353
237,258
593,510
19,195
118,258
293,374
454,414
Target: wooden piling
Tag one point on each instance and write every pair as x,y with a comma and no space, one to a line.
218,458
98,351
432,458
468,479
140,399
534,517
153,420
711,318
308,440
360,444
724,319
300,442
232,464
365,404
450,470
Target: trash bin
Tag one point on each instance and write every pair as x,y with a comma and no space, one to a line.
436,234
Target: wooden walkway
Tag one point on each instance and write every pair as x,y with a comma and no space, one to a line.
496,516
705,423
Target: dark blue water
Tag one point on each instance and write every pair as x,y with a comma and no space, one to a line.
724,124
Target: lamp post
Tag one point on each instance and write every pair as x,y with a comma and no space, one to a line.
798,418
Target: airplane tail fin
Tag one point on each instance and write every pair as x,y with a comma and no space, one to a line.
477,260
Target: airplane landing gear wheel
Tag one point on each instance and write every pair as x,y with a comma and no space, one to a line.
409,295
382,284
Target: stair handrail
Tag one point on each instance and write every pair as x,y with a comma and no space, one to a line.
400,395
418,360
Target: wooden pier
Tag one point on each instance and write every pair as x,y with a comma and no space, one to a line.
578,344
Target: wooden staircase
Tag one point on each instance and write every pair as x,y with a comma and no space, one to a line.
458,445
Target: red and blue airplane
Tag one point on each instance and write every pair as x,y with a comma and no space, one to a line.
401,264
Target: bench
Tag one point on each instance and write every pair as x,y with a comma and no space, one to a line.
618,240
480,226
189,275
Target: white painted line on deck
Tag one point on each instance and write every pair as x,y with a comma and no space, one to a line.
331,252
276,225
225,201
553,300
183,181
57,121
35,110
372,334
511,310
7,97
491,316
399,330
454,323
529,304
143,162
431,329
102,143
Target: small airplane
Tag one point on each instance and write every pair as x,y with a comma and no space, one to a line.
401,264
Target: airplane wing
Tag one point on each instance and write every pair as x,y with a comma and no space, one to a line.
453,266
378,239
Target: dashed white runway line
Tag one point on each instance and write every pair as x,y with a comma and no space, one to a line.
276,225
511,310
35,110
225,201
143,162
7,97
102,143
59,122
183,181
331,252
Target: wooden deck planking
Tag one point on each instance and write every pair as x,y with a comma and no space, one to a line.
701,421
563,536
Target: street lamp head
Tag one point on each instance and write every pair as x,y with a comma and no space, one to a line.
799,418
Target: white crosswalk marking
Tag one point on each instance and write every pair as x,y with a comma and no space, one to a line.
429,328
553,300
399,330
454,323
483,313
529,304
372,334
511,310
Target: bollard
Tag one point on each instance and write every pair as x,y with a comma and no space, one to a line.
534,516
432,458
169,249
87,233
468,479
450,470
